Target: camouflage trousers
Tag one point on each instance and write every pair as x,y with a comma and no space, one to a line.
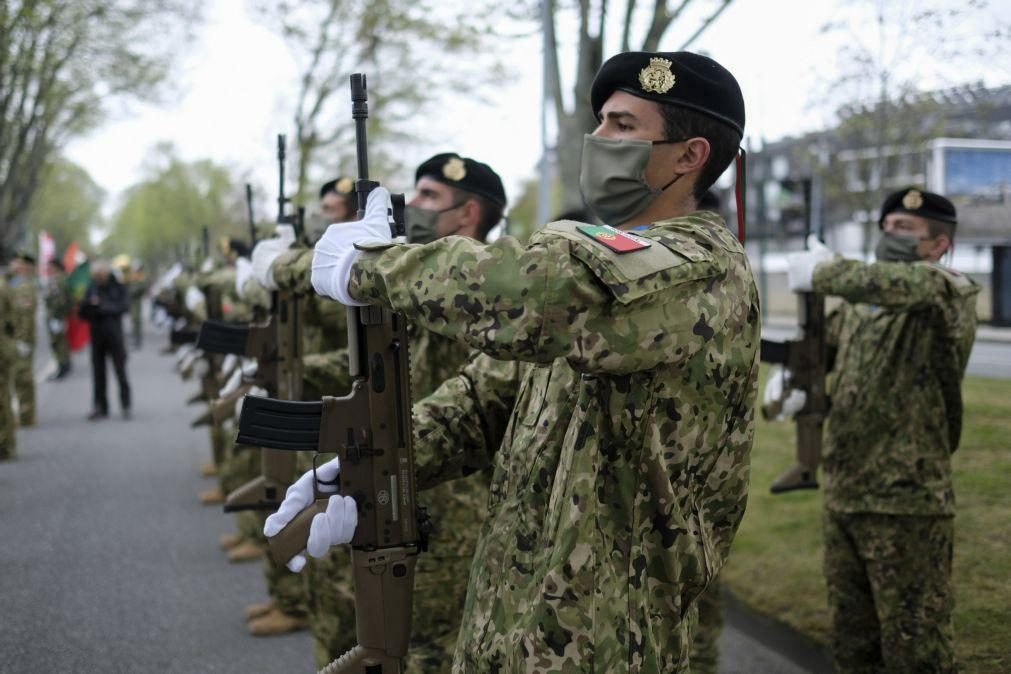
8,424
60,347
24,389
704,653
889,590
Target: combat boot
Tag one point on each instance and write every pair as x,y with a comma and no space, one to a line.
259,609
229,541
208,469
246,551
212,496
276,622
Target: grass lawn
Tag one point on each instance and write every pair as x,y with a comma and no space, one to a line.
775,566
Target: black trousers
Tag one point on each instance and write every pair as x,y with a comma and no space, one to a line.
107,341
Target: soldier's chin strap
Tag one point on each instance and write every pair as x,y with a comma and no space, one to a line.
741,190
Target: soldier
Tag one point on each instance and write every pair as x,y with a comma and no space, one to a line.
138,284
58,304
621,443
454,195
8,354
25,295
103,305
903,333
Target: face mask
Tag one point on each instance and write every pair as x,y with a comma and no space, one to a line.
896,248
420,223
612,180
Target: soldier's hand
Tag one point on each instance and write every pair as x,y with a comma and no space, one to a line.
337,249
335,526
773,395
243,272
801,265
269,250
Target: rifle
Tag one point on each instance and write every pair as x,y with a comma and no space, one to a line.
806,359
249,211
277,346
370,429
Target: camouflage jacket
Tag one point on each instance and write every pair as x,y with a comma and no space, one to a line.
903,337
24,299
7,352
620,443
58,302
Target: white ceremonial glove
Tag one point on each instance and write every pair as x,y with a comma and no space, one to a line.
243,272
774,387
269,250
229,362
255,391
24,349
335,526
182,353
207,266
194,298
249,368
55,325
335,252
201,368
232,385
801,265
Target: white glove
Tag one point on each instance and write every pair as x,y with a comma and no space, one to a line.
232,385
201,368
255,391
249,368
55,325
24,349
229,362
243,272
335,252
269,250
774,387
182,353
194,298
335,526
207,266
801,265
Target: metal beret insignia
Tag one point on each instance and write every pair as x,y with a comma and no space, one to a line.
657,76
455,169
345,185
912,200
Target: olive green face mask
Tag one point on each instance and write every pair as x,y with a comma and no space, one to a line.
896,248
420,223
612,177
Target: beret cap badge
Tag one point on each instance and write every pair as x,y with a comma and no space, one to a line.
657,76
455,169
345,185
912,200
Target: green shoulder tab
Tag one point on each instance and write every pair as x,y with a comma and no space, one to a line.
375,246
639,274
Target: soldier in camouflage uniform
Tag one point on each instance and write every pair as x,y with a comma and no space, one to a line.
58,305
620,442
454,196
139,286
8,354
903,333
25,296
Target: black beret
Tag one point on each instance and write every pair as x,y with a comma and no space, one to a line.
676,78
918,202
342,186
465,174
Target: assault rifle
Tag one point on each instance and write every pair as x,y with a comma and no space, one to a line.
249,212
806,360
277,347
370,429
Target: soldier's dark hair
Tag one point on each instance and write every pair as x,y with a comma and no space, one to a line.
239,247
681,123
939,228
329,186
491,212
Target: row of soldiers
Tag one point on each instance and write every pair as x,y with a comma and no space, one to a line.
585,402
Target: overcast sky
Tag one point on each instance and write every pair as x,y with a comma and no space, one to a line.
232,85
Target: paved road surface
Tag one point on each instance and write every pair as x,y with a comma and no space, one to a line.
110,564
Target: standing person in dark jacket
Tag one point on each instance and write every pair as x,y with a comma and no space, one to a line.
104,304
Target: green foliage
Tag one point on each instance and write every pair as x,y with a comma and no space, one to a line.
67,204
775,564
168,209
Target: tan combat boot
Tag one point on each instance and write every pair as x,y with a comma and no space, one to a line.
208,469
212,496
229,541
245,551
254,611
276,622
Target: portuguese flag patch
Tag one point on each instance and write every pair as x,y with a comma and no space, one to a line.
615,239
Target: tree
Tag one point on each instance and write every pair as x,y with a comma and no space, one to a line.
411,50
576,119
170,207
62,62
67,203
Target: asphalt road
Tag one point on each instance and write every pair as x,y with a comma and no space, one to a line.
109,564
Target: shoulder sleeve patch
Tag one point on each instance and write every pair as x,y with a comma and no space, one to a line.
642,273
